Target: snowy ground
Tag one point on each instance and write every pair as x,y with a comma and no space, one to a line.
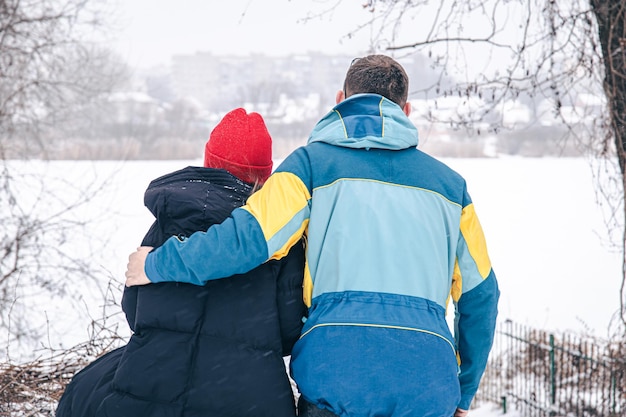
489,410
548,241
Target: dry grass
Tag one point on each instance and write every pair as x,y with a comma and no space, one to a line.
33,389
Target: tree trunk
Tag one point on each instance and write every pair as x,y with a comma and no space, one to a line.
610,15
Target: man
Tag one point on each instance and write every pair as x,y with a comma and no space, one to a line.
391,235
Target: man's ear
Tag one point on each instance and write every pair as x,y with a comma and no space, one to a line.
407,108
340,97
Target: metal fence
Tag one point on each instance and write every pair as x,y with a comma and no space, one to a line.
541,374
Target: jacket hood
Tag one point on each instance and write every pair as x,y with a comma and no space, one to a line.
191,199
366,121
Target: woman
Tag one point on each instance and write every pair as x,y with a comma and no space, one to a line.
211,351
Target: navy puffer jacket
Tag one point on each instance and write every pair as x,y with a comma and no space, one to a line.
205,351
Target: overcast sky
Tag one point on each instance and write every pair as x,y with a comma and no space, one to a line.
151,31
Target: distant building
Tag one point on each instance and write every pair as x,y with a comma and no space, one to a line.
133,108
223,82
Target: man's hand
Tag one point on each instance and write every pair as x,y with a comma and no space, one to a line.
135,274
461,413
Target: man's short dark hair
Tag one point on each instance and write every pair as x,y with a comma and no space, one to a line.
378,74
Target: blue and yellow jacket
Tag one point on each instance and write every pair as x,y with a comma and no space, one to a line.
392,236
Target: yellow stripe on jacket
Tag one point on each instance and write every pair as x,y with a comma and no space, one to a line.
282,211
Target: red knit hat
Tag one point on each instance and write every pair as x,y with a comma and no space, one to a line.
241,144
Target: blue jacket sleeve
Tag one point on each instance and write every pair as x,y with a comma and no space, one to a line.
475,321
235,246
272,221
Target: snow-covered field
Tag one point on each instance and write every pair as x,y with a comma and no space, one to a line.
546,234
